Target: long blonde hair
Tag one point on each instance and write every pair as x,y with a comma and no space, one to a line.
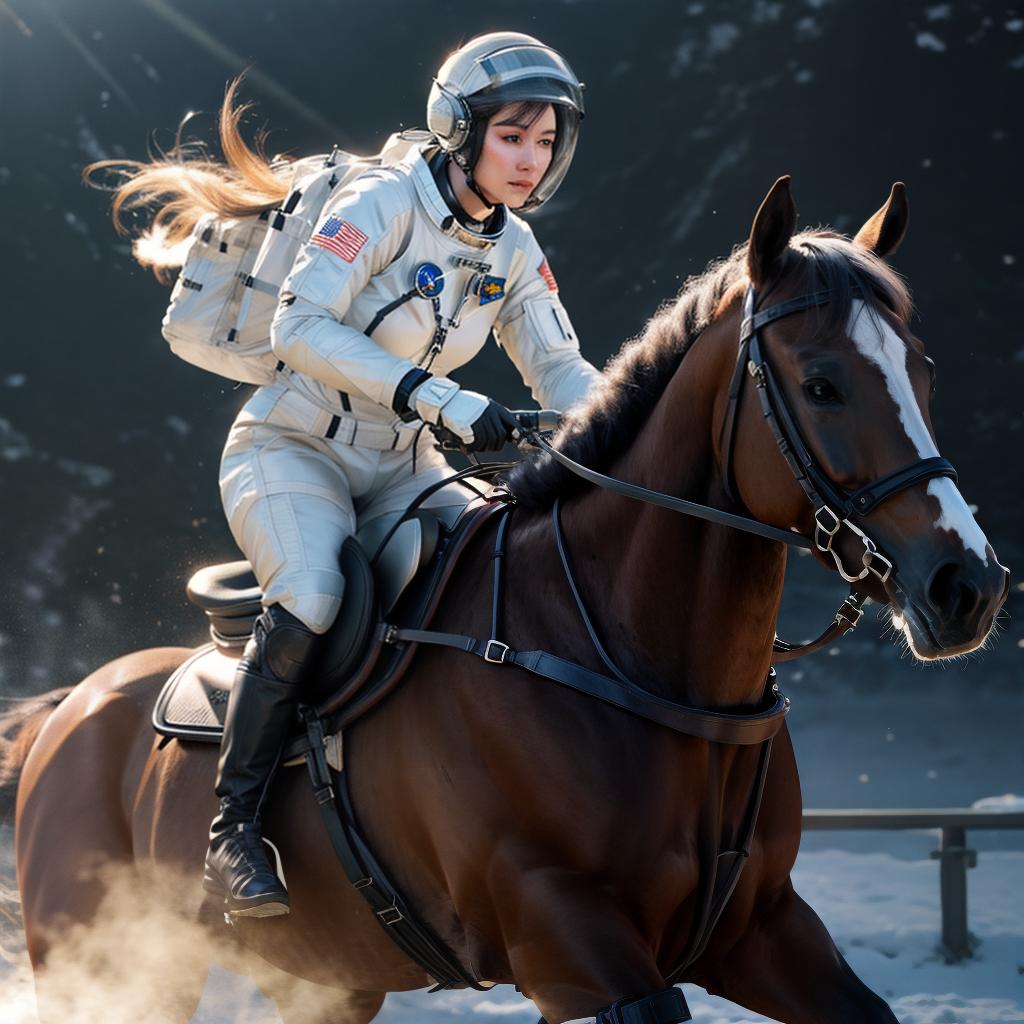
185,183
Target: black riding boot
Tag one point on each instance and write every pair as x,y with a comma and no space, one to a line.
260,712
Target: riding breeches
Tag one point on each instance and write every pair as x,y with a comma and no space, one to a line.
293,494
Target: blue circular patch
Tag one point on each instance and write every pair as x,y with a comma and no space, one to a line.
429,280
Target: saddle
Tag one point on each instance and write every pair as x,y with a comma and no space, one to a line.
396,569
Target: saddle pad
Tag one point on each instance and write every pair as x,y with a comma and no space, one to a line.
193,701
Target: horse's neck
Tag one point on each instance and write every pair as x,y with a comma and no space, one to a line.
685,607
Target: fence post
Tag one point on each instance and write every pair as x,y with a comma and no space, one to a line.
954,859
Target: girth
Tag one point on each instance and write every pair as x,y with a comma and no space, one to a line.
720,725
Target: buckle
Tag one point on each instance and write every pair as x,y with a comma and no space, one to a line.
363,882
503,650
872,556
849,613
325,795
820,521
390,915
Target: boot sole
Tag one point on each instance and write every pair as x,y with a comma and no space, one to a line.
271,905
272,908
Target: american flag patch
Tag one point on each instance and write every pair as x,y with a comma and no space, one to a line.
549,279
341,237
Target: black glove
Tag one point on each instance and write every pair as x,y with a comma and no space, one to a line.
492,429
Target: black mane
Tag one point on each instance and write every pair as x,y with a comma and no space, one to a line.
596,432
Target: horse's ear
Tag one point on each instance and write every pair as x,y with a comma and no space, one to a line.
773,228
885,230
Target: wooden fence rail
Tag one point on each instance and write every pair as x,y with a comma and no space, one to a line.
953,855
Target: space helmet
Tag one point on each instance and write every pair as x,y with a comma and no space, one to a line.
493,70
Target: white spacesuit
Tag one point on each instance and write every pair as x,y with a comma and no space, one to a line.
397,287
323,447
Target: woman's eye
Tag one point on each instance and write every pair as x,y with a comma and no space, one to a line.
820,390
512,138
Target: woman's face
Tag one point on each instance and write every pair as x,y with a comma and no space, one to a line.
515,155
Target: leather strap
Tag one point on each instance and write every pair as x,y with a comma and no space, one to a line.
477,470
847,617
723,883
563,554
862,501
413,937
753,322
720,726
690,508
665,1007
400,400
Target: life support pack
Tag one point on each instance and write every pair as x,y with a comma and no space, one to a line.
226,293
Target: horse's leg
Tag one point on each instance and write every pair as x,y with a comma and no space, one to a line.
66,997
786,966
573,951
102,951
303,1002
131,960
103,943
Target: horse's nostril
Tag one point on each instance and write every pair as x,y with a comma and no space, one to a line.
950,593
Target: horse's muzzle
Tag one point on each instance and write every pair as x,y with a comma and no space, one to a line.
949,608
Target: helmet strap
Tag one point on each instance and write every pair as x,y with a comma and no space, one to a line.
461,161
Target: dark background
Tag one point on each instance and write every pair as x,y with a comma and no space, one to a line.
109,445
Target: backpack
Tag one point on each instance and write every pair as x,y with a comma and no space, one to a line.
226,293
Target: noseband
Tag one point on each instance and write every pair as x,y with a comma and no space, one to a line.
835,508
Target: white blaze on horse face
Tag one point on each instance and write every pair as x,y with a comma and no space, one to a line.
881,345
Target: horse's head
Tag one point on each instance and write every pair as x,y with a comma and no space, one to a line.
854,384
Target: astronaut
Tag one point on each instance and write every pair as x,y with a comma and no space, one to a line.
411,268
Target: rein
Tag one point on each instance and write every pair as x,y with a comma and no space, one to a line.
847,616
670,501
835,509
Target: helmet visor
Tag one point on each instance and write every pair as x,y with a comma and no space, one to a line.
567,129
528,67
568,122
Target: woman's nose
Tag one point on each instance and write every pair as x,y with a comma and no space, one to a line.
528,158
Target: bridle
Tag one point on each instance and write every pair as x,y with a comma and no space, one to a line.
835,508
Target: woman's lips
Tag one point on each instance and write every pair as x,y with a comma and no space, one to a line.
521,184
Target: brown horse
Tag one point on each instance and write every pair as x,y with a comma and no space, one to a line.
550,840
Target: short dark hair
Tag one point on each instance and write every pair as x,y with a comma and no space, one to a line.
524,112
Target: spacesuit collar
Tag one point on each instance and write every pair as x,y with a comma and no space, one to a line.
480,236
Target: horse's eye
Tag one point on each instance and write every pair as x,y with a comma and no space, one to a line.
821,391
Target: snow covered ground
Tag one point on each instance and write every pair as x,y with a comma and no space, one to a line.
884,913
882,909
